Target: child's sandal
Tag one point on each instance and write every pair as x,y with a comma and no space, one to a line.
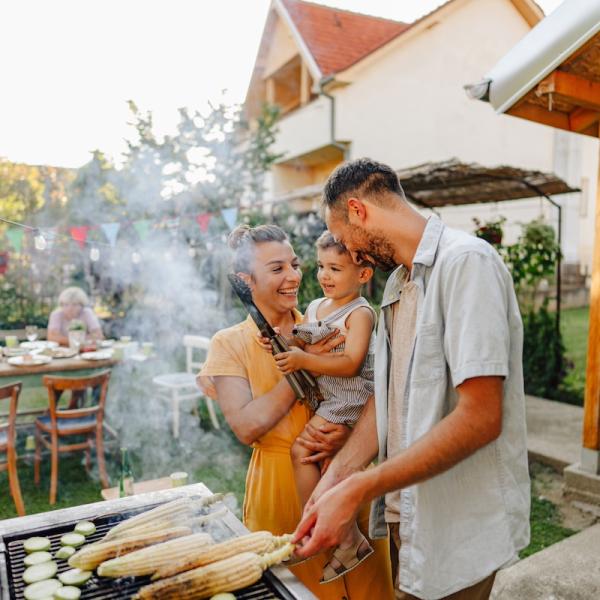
344,560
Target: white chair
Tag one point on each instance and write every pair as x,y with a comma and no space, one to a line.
176,387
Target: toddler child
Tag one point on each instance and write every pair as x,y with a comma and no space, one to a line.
345,375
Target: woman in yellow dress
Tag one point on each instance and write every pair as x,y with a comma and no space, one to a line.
261,409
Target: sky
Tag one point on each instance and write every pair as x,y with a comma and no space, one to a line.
69,66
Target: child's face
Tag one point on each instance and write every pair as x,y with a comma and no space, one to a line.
338,275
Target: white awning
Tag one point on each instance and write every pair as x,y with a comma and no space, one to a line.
540,52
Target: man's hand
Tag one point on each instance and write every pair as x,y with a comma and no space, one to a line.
329,519
288,362
324,441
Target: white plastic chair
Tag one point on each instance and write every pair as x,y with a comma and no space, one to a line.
176,387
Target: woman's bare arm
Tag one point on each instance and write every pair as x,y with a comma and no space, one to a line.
54,335
250,418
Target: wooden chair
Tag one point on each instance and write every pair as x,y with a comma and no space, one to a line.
8,440
62,423
176,387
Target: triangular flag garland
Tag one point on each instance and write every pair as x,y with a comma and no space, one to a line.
79,234
142,228
111,231
15,237
229,216
51,235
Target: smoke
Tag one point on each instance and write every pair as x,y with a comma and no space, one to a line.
158,282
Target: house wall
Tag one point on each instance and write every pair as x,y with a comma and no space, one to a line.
282,49
406,105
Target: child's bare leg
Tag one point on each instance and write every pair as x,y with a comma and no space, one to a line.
307,475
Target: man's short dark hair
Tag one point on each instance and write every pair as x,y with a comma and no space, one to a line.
360,177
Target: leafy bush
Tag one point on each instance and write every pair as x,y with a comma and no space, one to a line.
543,353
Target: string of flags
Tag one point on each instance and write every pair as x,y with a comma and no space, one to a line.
45,237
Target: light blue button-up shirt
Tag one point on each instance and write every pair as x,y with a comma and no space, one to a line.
460,526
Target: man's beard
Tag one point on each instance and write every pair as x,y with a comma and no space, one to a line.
378,250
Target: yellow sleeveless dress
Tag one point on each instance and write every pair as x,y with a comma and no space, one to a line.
271,502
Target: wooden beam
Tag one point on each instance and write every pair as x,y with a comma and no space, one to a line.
533,112
270,90
572,88
581,119
591,406
304,84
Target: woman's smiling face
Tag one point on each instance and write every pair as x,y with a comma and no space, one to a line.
276,276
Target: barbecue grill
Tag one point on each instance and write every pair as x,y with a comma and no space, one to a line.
277,583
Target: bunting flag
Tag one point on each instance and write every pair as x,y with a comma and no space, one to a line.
142,227
111,230
79,234
229,216
203,220
49,234
15,237
3,262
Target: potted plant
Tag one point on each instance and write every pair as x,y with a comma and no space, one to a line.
490,231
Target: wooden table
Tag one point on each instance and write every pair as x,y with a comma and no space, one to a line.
140,487
31,375
56,365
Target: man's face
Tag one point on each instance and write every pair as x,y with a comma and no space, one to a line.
362,244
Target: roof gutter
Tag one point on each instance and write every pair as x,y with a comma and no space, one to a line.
325,81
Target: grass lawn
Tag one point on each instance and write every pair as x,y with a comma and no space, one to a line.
574,325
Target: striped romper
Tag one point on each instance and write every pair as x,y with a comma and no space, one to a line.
343,397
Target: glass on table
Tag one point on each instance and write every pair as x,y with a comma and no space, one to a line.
76,339
12,341
31,332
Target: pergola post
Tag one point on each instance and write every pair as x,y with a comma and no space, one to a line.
590,453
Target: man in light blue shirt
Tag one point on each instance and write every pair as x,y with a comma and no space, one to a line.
460,471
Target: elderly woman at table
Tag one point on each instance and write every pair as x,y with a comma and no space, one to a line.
261,409
73,304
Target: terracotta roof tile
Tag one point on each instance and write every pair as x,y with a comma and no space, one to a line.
338,38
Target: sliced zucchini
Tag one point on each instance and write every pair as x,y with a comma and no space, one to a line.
42,589
35,558
65,552
85,528
74,577
45,570
72,539
36,544
68,592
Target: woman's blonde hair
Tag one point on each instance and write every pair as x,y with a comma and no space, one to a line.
244,238
73,295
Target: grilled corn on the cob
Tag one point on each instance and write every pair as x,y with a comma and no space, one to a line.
258,542
148,560
225,575
90,556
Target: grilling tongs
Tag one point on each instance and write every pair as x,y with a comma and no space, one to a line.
302,382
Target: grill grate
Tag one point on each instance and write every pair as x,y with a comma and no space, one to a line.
269,587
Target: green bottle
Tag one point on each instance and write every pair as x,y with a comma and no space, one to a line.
126,480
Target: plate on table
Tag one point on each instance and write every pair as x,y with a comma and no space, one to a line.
11,351
98,355
60,352
29,360
40,344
